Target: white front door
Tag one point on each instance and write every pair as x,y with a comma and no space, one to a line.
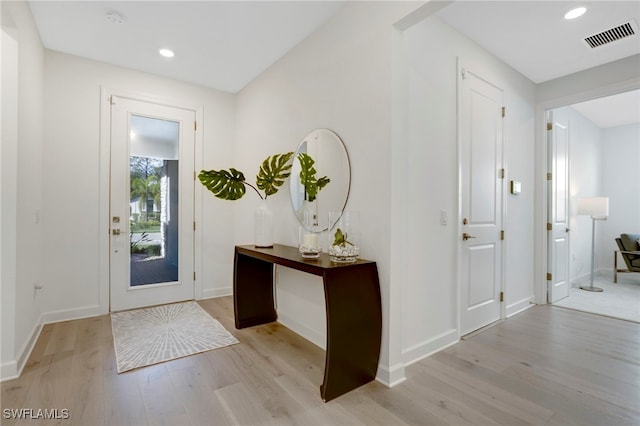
481,187
558,209
151,204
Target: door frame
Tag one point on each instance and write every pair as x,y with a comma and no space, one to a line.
460,65
576,94
104,186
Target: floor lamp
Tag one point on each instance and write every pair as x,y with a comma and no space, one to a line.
598,209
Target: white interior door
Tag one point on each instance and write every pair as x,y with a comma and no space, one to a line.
558,209
151,204
481,174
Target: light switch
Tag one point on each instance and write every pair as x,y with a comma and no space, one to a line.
444,217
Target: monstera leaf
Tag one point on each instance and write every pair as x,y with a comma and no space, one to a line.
274,170
232,185
308,177
228,185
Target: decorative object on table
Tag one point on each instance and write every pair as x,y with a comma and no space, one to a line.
598,209
148,336
321,153
232,185
310,242
345,247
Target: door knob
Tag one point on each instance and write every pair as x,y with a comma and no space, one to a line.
466,236
115,231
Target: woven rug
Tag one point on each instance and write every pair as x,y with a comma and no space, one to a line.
162,333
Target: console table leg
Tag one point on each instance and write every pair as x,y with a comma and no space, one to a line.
354,328
252,291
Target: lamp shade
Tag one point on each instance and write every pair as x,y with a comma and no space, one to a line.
596,207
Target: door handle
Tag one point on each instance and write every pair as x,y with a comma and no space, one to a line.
567,229
466,236
115,231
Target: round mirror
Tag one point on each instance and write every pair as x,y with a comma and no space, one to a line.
320,179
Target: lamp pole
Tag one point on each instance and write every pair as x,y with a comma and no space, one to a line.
593,257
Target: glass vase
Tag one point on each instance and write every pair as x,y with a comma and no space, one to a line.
263,225
344,244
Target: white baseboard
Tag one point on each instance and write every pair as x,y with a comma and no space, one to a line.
519,306
211,293
70,314
12,369
311,335
423,349
391,376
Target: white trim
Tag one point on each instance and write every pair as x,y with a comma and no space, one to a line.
424,349
519,306
70,314
211,293
13,369
303,330
392,376
104,171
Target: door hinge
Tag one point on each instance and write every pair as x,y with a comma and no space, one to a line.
504,111
501,174
549,126
549,227
112,100
194,275
502,235
195,125
549,176
549,277
194,225
502,296
194,175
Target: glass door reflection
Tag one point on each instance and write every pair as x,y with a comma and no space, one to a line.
153,200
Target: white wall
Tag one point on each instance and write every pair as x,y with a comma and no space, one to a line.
72,185
621,183
429,295
338,78
22,187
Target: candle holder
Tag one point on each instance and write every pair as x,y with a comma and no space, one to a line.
309,242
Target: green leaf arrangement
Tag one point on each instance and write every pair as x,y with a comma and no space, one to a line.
231,184
308,177
340,238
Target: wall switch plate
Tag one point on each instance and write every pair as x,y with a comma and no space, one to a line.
444,217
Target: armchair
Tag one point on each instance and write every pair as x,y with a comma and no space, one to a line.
629,245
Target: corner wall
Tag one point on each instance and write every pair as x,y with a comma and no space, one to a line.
22,185
338,78
430,302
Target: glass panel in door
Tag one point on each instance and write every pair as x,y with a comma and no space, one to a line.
154,194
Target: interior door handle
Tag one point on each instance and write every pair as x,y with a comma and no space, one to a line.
466,236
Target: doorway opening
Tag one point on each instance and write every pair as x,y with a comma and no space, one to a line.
603,151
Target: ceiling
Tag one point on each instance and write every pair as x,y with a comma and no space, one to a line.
218,44
226,44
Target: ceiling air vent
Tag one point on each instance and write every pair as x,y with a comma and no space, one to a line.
612,34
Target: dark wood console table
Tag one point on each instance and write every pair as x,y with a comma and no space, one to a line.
352,301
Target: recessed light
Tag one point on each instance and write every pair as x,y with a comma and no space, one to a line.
167,53
575,13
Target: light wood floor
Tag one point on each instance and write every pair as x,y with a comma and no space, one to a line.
547,365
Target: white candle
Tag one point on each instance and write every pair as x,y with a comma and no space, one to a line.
310,240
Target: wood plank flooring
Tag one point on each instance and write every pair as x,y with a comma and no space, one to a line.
545,366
